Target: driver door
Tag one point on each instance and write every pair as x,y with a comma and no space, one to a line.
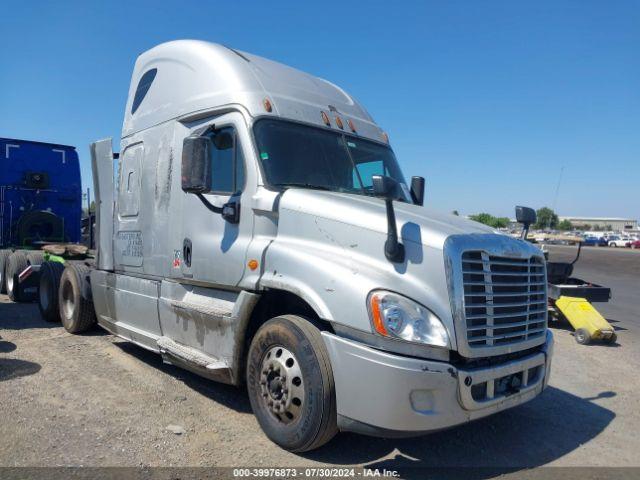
213,248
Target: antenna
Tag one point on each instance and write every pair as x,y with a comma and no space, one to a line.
555,198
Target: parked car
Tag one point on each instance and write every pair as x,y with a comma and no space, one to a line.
591,241
635,244
603,242
615,241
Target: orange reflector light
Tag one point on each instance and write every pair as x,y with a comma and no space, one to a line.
267,105
252,264
377,316
385,137
339,123
325,119
351,125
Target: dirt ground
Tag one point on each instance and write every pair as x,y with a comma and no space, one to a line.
95,400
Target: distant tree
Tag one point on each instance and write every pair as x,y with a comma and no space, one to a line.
455,212
565,225
488,219
502,222
485,218
547,218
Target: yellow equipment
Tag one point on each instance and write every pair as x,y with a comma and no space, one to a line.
589,324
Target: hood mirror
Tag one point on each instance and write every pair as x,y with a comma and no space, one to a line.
388,189
526,216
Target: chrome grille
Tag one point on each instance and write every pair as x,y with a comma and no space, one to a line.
505,300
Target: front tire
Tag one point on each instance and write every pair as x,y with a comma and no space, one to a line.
76,310
290,384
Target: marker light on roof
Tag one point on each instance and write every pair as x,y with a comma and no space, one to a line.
339,123
385,137
351,125
325,119
267,105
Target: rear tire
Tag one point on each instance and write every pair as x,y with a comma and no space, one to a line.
76,311
582,336
290,384
4,257
50,275
16,264
611,339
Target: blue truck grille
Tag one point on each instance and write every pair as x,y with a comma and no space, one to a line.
505,299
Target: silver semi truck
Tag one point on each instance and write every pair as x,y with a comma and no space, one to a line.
259,230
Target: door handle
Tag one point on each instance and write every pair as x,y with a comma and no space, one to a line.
186,252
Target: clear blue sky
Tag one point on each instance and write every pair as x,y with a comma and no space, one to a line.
487,100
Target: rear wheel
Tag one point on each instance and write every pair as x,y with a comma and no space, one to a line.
16,264
76,310
50,275
611,338
4,257
290,384
582,336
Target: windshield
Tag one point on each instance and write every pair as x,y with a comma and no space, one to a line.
295,155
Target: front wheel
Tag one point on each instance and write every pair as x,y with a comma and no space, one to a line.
290,384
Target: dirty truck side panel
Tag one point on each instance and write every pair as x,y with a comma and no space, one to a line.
127,306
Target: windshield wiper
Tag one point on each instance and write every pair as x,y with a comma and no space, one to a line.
303,185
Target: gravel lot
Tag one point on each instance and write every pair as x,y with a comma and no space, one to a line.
94,400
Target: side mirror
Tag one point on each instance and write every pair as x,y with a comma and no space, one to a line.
417,190
196,164
526,216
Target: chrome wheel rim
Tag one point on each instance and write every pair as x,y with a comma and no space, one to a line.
68,304
282,385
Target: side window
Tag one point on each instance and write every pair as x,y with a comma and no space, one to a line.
367,170
227,162
143,87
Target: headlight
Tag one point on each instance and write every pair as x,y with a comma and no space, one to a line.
396,316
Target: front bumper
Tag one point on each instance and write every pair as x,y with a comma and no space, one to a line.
383,394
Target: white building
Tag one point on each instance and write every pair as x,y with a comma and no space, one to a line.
603,223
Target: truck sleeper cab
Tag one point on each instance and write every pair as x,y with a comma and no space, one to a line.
260,230
40,202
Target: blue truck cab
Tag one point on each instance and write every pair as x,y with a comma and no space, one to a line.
40,193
